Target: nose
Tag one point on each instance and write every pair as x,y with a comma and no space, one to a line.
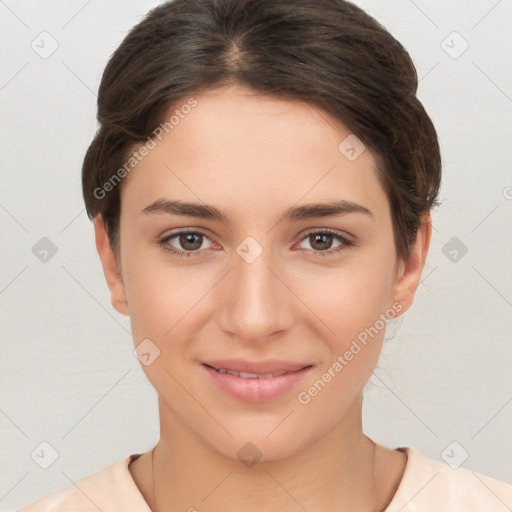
255,301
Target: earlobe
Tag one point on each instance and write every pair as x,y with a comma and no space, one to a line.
409,274
110,267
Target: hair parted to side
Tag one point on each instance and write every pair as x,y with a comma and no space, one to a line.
328,53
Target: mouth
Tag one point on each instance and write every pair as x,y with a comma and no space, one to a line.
249,375
264,382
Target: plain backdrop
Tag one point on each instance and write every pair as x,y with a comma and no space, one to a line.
68,374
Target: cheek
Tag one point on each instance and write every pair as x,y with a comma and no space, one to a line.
354,306
163,300
348,299
160,300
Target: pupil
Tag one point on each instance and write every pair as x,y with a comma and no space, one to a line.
322,238
188,239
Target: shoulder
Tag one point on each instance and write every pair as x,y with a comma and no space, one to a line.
110,489
428,484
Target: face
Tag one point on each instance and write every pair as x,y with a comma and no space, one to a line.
258,272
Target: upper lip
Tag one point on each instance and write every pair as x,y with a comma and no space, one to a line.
261,367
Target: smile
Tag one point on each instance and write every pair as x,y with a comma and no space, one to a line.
248,375
255,387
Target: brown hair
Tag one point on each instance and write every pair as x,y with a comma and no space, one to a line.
329,53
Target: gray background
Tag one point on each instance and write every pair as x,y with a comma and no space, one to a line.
68,374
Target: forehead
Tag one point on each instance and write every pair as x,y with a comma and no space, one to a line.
237,145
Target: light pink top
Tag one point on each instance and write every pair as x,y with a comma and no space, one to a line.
426,486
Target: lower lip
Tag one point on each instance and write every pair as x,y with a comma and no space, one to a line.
256,390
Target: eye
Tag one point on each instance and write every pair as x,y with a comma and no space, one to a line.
190,242
322,241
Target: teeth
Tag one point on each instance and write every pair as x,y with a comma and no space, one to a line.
247,375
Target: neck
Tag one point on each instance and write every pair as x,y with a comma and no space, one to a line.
337,471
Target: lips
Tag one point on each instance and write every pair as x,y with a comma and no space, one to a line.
271,367
249,375
255,382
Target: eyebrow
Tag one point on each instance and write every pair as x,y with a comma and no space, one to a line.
295,213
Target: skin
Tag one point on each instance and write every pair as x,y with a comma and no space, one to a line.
254,156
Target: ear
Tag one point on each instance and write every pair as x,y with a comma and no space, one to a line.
409,273
110,267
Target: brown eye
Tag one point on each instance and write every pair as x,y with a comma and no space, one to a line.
190,241
186,243
321,242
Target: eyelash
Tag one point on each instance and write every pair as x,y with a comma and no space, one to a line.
345,243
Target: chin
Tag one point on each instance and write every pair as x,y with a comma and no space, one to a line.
253,444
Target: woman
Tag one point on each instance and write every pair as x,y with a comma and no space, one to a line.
261,186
